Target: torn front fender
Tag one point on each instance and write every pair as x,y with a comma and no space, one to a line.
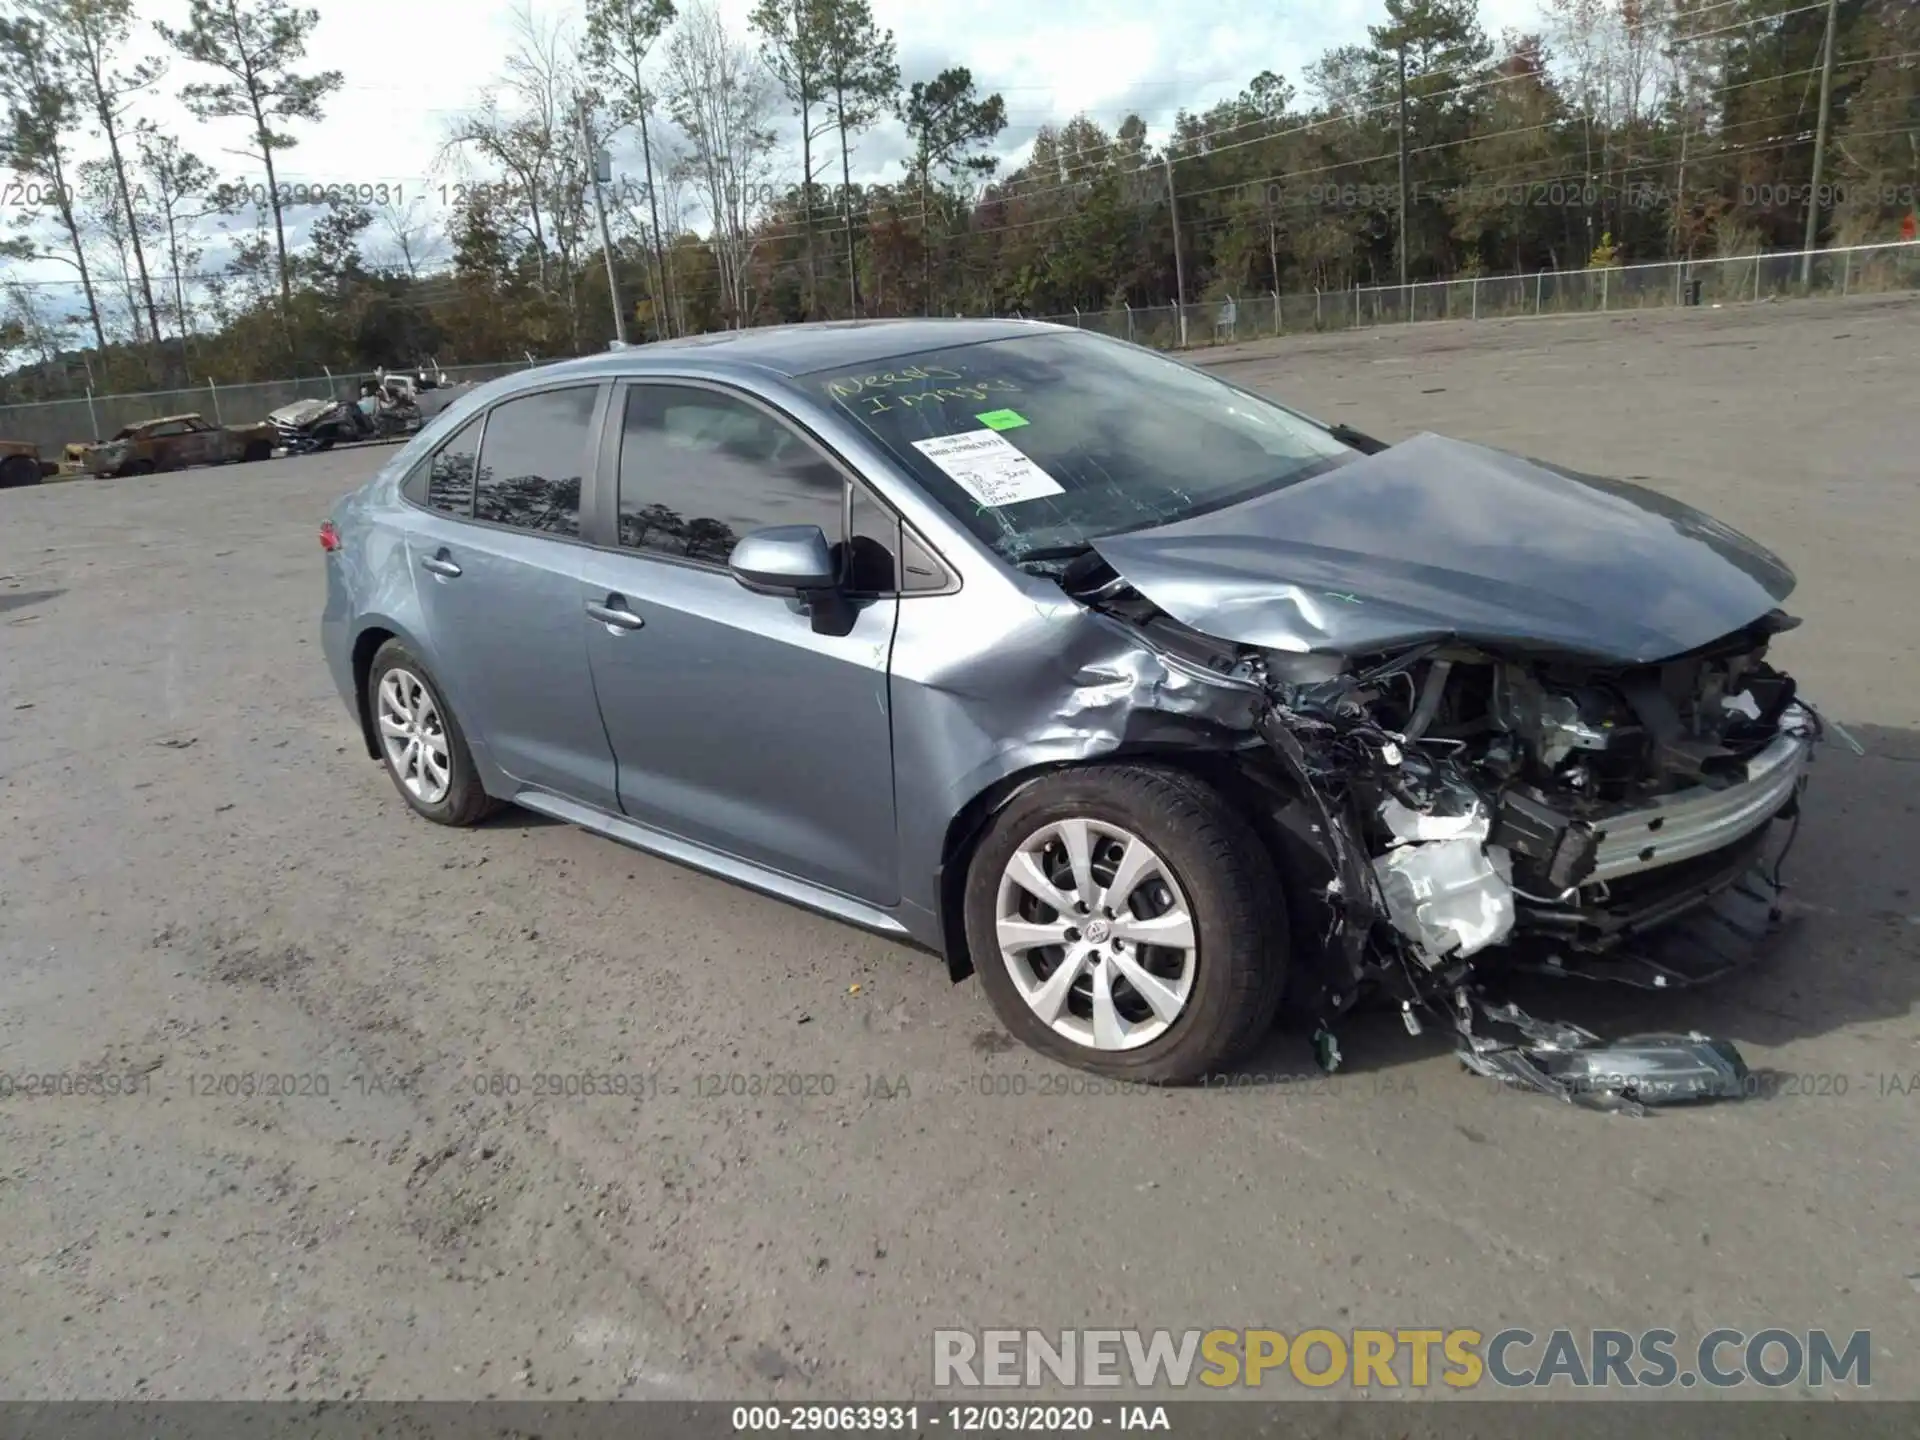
1015,683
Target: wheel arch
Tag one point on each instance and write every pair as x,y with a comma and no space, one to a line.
376,630
1214,768
365,646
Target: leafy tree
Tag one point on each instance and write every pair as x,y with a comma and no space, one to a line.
947,124
255,46
1444,51
621,36
41,112
1878,177
794,40
863,83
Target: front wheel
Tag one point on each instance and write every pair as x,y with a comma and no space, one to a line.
19,470
1125,920
421,743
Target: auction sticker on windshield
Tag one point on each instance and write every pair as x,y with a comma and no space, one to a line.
988,467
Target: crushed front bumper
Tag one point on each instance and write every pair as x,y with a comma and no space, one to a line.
1700,821
1568,856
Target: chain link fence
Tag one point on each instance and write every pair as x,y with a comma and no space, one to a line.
54,424
1860,269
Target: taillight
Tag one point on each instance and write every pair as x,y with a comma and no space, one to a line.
329,537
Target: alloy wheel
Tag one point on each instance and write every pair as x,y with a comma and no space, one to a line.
414,736
1096,934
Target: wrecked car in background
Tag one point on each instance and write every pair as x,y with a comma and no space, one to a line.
20,464
307,426
173,442
1147,699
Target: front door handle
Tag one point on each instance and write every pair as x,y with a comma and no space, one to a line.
439,564
613,611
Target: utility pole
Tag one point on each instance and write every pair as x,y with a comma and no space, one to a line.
1819,151
600,208
1179,261
1403,177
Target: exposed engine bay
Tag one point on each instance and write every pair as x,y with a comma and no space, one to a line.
1485,809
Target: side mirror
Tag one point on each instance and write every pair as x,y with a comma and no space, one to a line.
793,560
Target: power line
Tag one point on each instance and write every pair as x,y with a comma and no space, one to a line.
776,233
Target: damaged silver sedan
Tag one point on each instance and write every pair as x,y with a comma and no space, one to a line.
1152,702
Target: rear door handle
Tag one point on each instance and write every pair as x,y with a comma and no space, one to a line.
439,564
613,611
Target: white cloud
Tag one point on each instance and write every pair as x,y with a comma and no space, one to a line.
412,67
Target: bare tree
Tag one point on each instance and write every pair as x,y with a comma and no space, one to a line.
530,138
25,316
720,96
1578,32
181,182
406,228
102,218
93,32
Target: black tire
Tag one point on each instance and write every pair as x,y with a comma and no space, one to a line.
137,467
325,442
19,470
466,801
256,451
1240,957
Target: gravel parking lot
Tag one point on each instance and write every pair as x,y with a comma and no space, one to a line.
206,885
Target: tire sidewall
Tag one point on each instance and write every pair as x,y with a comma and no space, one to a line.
1208,893
19,470
464,781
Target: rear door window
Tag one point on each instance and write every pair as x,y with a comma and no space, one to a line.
532,458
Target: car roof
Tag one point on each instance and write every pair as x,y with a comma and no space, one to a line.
164,420
789,350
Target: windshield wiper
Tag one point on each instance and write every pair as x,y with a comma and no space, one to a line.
1364,443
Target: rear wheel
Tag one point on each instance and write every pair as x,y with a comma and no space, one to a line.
1125,920
19,470
421,743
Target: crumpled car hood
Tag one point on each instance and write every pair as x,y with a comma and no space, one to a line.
301,412
1441,539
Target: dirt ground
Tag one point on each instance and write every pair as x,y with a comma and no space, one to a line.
205,885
